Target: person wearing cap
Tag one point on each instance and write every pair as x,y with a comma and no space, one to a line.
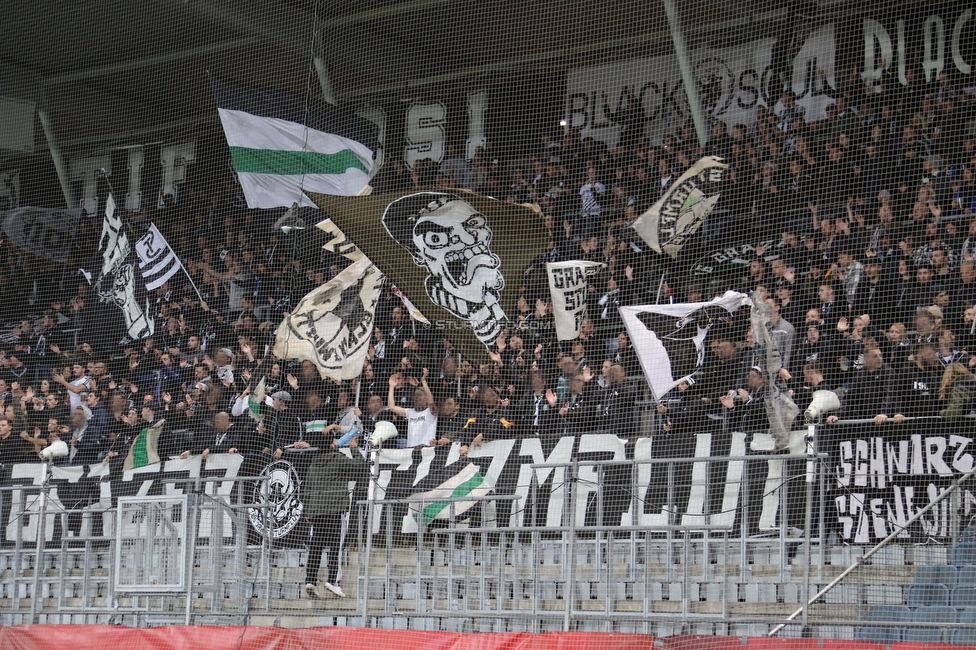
285,427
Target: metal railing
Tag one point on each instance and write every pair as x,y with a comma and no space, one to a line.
658,566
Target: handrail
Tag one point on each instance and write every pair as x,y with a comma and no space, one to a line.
691,459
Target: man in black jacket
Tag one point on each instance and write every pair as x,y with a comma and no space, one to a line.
870,392
325,496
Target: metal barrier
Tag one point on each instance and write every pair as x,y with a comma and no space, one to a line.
662,570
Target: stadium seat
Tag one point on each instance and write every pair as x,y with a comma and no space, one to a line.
927,595
945,574
964,554
884,634
941,614
967,576
964,597
964,636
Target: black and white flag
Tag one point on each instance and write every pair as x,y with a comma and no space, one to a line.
669,224
567,285
332,326
120,281
157,261
670,339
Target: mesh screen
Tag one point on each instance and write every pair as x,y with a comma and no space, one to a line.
490,317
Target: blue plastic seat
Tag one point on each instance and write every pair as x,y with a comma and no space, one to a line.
884,634
963,636
946,574
967,615
927,595
939,614
964,597
964,554
878,634
966,577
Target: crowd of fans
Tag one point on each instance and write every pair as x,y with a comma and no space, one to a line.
873,286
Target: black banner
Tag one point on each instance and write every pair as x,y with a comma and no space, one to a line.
881,476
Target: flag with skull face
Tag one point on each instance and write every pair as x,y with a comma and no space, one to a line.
458,256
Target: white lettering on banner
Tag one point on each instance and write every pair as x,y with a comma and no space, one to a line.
961,64
878,44
477,108
567,287
732,81
875,463
174,159
425,133
555,477
377,116
590,478
402,460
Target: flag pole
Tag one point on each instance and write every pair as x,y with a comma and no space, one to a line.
192,284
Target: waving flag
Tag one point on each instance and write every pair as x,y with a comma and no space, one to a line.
283,145
144,448
157,261
669,224
670,339
332,326
120,281
458,256
567,286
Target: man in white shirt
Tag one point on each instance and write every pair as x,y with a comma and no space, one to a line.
422,418
77,388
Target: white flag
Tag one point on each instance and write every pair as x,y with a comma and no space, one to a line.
668,224
567,285
670,339
333,324
157,261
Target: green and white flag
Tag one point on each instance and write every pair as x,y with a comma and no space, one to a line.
283,146
468,482
256,399
144,449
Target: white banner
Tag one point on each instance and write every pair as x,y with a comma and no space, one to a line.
670,339
732,81
567,285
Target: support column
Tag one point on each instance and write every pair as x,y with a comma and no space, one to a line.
324,81
687,74
59,166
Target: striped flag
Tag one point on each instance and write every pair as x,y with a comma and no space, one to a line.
468,482
283,145
157,261
144,448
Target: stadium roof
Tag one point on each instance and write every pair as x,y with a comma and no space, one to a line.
109,72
